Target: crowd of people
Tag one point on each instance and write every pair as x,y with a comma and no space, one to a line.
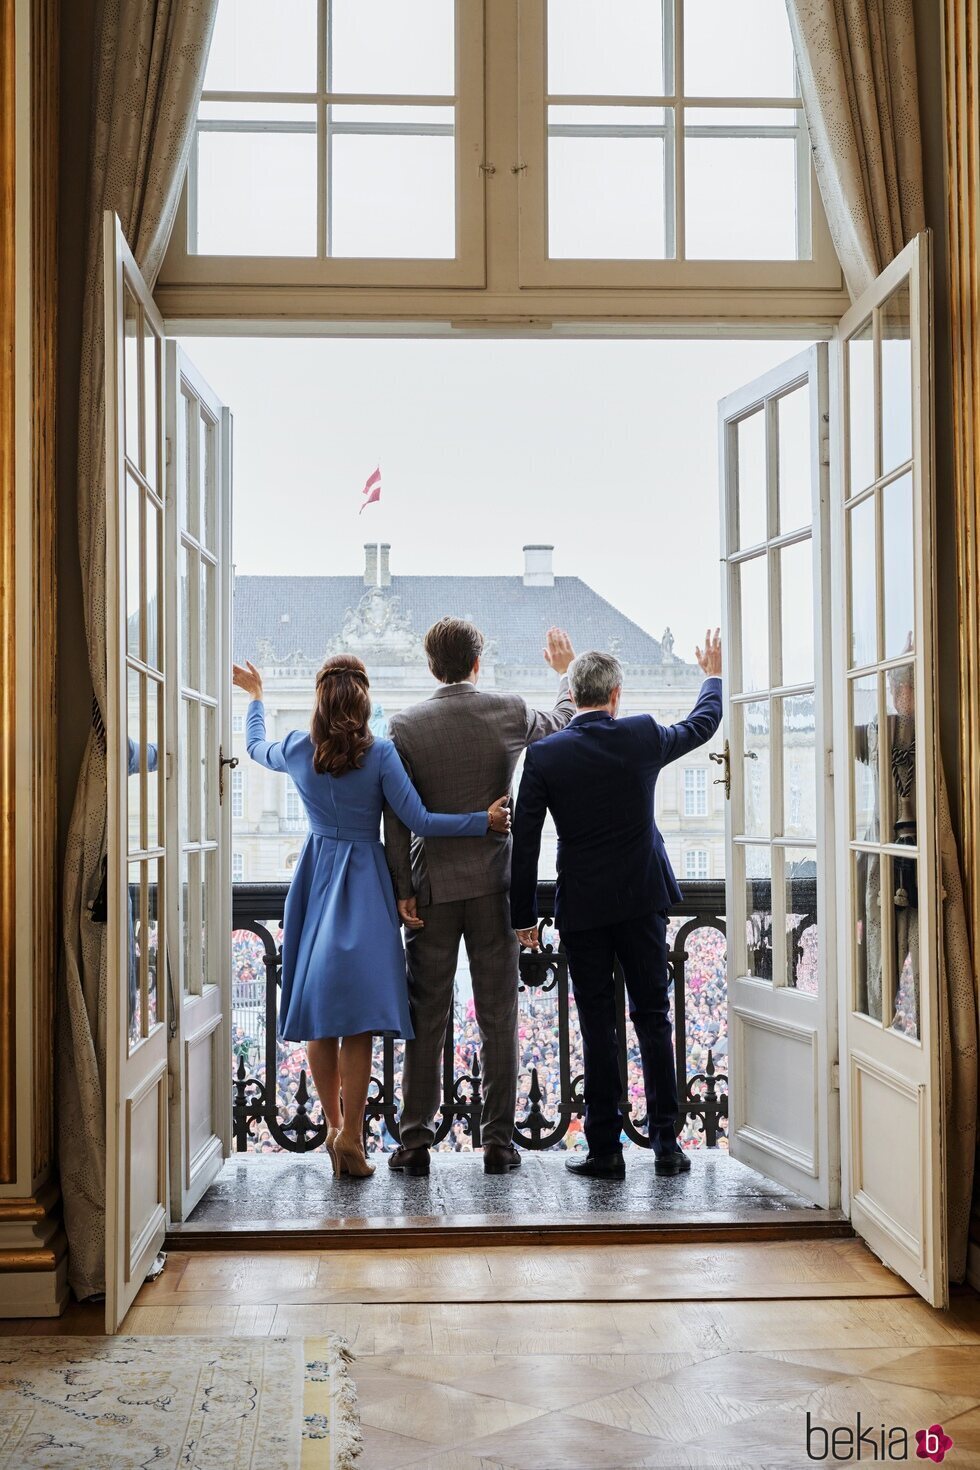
706,1031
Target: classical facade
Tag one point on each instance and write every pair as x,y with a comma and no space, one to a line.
288,625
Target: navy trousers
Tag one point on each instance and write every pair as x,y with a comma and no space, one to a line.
640,945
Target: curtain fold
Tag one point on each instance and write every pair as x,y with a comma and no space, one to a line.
149,69
859,83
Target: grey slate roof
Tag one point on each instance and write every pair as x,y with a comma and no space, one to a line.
510,614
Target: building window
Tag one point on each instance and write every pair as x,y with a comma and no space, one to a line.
237,867
696,862
662,145
348,132
238,724
237,795
294,807
695,792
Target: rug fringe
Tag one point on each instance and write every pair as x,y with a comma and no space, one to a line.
346,1432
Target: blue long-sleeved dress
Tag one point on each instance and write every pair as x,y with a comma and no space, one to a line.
343,964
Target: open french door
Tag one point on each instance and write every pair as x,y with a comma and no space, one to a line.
198,654
886,740
168,489
136,714
782,1002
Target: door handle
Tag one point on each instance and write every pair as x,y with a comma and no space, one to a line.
224,760
723,759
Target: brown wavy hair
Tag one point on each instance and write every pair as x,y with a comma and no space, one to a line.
339,728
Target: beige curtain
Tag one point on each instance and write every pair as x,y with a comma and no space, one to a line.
856,60
149,67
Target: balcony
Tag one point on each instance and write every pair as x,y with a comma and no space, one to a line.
279,1179
274,1109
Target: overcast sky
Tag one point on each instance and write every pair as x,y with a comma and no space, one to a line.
607,449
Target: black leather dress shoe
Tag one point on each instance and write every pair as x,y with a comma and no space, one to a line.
500,1158
675,1161
599,1166
411,1161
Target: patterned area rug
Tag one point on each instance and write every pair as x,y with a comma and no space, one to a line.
131,1403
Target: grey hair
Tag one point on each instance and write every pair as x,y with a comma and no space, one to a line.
593,676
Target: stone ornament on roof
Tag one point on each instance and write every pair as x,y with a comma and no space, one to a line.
378,629
667,646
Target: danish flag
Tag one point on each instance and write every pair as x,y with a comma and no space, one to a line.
372,490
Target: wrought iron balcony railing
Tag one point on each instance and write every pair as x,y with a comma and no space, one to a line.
273,1108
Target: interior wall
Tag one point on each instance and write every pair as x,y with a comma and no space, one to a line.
929,46
78,21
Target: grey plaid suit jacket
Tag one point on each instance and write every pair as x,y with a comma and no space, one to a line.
461,748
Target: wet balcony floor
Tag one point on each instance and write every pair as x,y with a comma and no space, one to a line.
282,1195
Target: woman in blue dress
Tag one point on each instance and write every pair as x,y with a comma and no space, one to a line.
343,965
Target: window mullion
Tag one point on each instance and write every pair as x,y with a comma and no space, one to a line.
322,162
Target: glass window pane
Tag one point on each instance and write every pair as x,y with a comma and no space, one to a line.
207,460
209,900
895,325
758,911
606,47
755,743
861,408
866,878
605,194
209,766
134,561
862,578
256,192
153,609
899,817
251,52
134,759
183,630
154,871
186,479
753,522
740,199
753,596
131,376
391,195
864,725
209,629
183,771
903,907
898,573
154,711
799,766
389,46
802,936
151,389
134,998
192,926
192,748
795,460
796,611
742,50
190,578
184,900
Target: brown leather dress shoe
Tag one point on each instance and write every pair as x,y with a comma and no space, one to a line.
411,1161
500,1158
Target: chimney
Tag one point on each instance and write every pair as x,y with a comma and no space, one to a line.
370,564
538,570
384,571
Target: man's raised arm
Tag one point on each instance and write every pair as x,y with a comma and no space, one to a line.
678,740
558,655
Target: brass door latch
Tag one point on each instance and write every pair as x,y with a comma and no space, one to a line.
723,758
224,760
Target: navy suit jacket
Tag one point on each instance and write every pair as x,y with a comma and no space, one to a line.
598,778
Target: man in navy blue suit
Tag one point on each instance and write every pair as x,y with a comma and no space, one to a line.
598,779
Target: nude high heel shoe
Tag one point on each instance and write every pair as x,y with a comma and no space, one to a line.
351,1160
332,1135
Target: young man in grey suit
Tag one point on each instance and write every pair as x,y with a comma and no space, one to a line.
457,746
